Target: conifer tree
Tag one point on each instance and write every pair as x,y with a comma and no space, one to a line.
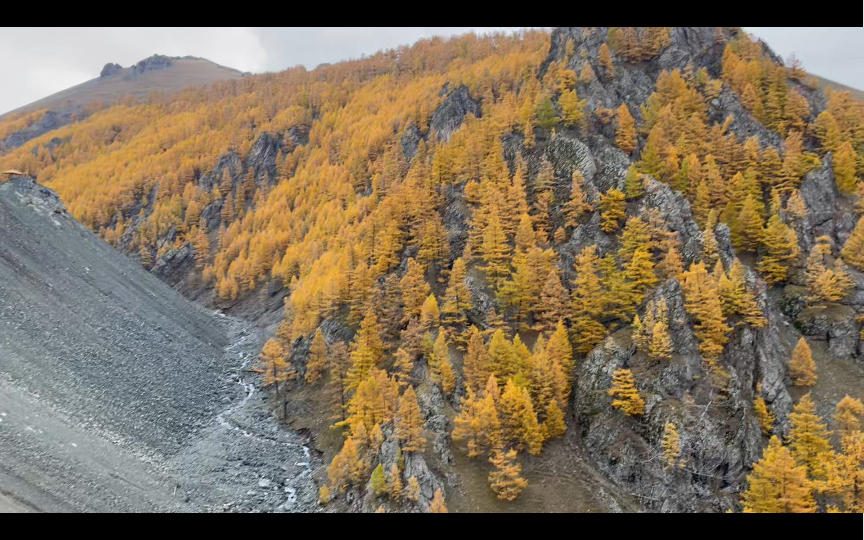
626,396
671,447
748,230
506,480
809,438
847,414
572,108
394,482
709,246
412,490
457,298
578,203
415,289
554,425
503,361
553,303
612,210
274,365
766,419
495,251
605,58
845,163
518,420
367,351
661,343
409,423
429,313
317,358
846,474
737,299
780,248
347,468
672,265
378,481
702,302
640,275
853,251
475,365
777,485
438,506
467,427
802,368
634,185
587,301
625,134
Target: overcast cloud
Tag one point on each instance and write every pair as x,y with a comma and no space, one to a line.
37,62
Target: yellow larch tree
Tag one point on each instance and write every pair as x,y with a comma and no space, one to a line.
625,133
367,351
409,423
578,204
604,56
554,426
661,343
671,445
274,365
765,417
495,251
475,365
430,315
847,415
506,480
612,210
415,289
347,468
518,420
777,485
394,482
779,249
853,250
412,490
457,299
587,301
809,438
317,364
802,367
438,506
625,396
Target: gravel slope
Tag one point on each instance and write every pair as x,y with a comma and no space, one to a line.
117,394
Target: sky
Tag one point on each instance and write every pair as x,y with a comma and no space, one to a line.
37,62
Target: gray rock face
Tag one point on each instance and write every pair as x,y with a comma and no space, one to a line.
719,437
155,62
49,121
110,69
452,112
410,139
834,323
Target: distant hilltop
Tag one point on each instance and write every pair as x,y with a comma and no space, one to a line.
157,73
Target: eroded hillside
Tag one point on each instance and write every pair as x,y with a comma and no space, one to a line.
116,393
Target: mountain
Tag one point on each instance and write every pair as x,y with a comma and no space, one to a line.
155,74
550,271
117,393
827,83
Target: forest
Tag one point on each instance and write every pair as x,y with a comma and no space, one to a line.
445,288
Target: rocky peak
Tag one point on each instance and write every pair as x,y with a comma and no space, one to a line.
155,62
110,69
